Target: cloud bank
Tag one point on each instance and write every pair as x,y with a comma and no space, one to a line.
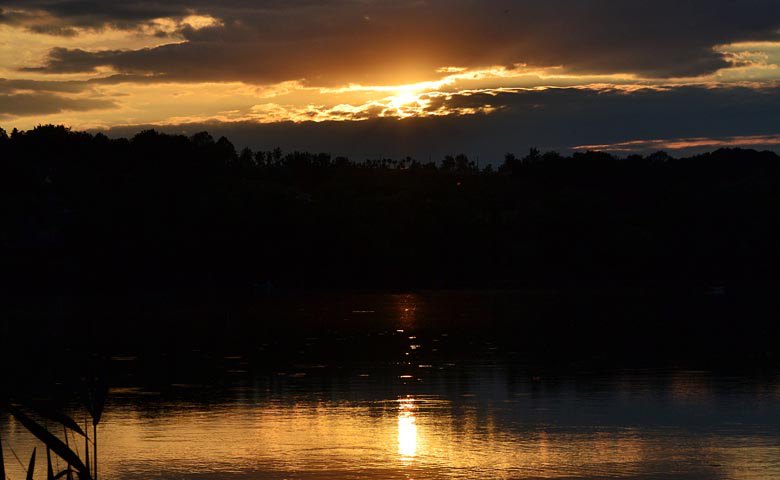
550,69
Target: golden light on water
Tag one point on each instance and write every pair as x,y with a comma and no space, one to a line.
407,429
402,437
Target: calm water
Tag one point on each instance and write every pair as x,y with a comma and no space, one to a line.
411,411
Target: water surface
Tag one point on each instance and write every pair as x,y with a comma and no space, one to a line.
419,404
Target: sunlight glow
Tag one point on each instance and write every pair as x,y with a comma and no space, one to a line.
173,25
406,103
181,103
403,98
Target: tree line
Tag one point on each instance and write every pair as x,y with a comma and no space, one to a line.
84,212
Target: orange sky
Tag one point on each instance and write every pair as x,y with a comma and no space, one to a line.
97,64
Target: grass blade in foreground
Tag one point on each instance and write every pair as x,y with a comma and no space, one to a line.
56,445
49,469
31,467
56,416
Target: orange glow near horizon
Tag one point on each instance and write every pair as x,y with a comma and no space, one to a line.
173,103
412,80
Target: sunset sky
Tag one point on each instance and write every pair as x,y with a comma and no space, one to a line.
407,77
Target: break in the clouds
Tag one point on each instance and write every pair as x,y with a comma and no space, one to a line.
681,120
240,62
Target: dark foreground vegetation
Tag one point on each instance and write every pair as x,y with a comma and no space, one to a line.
83,212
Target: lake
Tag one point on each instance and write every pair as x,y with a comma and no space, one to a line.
410,387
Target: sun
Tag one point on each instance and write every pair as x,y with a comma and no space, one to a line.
403,98
405,102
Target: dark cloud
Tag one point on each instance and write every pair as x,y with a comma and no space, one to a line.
21,97
57,30
558,119
336,41
87,14
63,60
42,103
15,85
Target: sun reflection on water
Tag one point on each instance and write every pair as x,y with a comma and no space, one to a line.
407,429
495,432
406,306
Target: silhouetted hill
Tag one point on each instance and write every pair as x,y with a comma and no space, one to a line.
85,213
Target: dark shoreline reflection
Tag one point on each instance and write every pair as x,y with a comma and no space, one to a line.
593,327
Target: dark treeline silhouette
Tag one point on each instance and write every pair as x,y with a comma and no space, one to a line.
83,212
